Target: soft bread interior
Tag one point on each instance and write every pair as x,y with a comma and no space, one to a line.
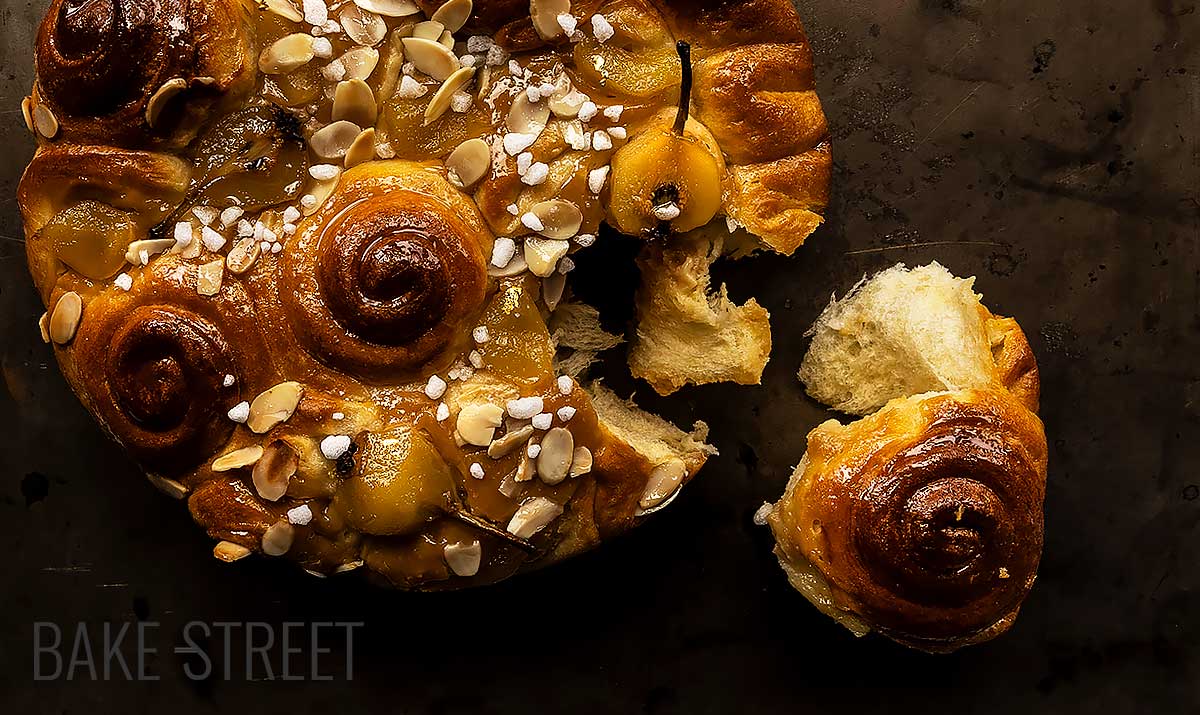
903,332
687,334
650,436
579,337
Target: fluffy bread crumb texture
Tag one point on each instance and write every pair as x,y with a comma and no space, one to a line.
688,333
903,332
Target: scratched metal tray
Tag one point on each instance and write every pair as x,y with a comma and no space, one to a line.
1047,148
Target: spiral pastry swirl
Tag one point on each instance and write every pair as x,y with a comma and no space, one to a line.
389,274
153,366
925,519
100,62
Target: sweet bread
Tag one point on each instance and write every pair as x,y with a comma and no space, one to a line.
905,332
301,258
678,311
922,520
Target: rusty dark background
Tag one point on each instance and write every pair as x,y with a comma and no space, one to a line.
1048,148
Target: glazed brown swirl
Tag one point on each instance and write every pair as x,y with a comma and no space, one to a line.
100,62
925,519
389,273
165,379
156,365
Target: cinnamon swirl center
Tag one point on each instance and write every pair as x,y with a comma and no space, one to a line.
388,275
939,528
102,54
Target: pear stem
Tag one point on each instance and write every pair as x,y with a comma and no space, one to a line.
685,89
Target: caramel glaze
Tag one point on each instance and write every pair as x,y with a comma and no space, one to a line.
379,287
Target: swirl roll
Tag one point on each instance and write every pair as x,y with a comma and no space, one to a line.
76,187
389,273
152,365
127,71
923,521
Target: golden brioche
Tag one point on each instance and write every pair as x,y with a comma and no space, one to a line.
922,520
300,259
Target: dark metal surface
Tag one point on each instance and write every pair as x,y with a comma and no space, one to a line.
1047,147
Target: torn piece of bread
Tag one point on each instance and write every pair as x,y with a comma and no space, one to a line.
650,435
901,333
579,338
924,519
687,334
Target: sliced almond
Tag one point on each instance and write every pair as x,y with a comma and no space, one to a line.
429,30
566,104
209,277
393,64
470,162
477,423
286,9
334,140
354,102
553,289
447,39
560,219
362,150
45,121
389,8
321,191
509,487
287,54
543,254
27,114
274,471
664,481
228,551
274,406
526,117
162,97
44,327
360,62
362,26
545,16
581,462
148,247
515,267
278,538
64,321
170,487
238,458
533,516
242,255
484,84
349,566
430,57
526,468
464,559
454,14
508,443
441,99
554,461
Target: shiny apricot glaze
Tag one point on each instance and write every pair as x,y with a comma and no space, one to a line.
296,209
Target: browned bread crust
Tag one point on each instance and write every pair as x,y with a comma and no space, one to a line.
153,117
102,67
924,520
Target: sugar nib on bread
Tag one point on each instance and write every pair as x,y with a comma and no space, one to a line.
923,520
